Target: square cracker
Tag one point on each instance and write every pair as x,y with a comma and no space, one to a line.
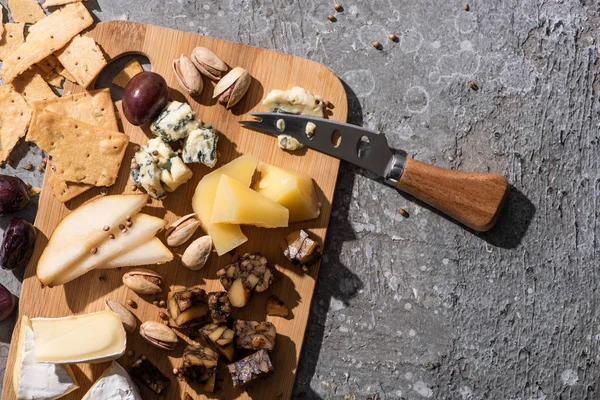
1,23
32,87
132,68
83,58
82,153
54,3
54,79
45,37
15,115
48,64
13,37
27,11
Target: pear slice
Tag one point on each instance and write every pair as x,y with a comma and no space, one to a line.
143,228
82,230
152,251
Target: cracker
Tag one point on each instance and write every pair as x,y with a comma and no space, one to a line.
13,37
95,108
54,3
83,59
32,87
132,68
55,79
15,115
82,153
27,11
45,37
62,71
48,64
1,23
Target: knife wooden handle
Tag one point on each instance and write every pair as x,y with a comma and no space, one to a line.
473,199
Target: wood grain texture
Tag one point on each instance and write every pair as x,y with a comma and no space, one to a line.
473,199
271,70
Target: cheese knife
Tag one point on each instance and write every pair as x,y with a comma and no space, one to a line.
472,198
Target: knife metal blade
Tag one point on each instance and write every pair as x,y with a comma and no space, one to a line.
365,148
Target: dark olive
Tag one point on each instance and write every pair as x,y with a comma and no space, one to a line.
7,303
17,244
144,97
14,195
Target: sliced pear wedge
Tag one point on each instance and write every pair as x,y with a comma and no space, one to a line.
82,230
152,251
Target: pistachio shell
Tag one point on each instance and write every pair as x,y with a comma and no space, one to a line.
197,253
127,318
143,281
159,335
236,82
208,63
182,230
187,75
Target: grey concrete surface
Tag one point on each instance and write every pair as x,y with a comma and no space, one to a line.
419,307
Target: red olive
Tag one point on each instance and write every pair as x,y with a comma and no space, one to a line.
144,97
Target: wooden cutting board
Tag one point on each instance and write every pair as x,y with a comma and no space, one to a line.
271,70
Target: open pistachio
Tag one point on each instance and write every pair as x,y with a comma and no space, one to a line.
182,230
143,281
232,87
197,253
187,75
208,63
127,318
159,335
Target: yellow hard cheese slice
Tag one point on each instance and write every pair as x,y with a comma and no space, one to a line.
38,380
238,204
81,231
225,237
94,337
293,190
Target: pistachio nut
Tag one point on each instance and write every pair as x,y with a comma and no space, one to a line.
127,318
232,87
159,335
208,63
182,230
143,281
197,253
187,75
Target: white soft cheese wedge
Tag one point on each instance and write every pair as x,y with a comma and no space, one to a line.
34,380
114,384
82,230
150,252
90,338
143,228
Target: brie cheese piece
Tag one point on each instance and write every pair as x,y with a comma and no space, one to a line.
114,384
34,380
294,101
175,122
201,146
90,338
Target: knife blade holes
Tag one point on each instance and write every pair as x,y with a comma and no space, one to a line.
363,147
336,138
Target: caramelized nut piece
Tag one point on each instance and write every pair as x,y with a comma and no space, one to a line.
248,274
199,364
219,307
145,373
276,307
253,367
220,338
300,248
187,307
255,335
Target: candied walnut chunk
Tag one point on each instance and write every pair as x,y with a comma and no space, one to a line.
219,307
145,373
254,366
220,338
255,335
199,364
248,274
300,248
187,307
276,307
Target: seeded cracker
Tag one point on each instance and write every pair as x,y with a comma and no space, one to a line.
27,11
54,3
1,23
83,59
132,68
32,87
54,79
81,152
48,64
13,37
15,115
45,37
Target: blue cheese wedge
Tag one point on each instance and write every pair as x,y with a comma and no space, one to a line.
287,142
201,146
297,101
158,169
175,122
114,384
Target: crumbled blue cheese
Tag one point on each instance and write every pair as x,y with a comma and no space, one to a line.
158,164
310,129
281,124
295,101
175,122
201,146
287,142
